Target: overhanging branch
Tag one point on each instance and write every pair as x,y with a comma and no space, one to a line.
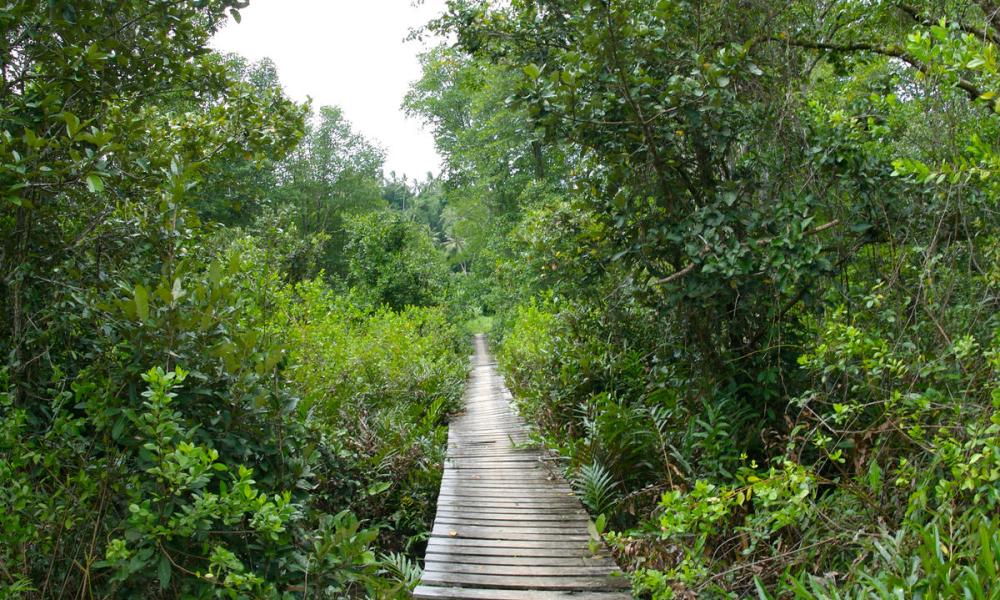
965,85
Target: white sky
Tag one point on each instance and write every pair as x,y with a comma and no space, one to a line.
349,53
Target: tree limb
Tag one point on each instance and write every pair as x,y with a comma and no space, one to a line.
965,85
676,275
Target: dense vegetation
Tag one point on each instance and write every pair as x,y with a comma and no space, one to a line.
740,260
749,277
227,359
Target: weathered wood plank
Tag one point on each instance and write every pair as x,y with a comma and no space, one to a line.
502,463
565,549
548,486
538,496
565,509
529,482
508,533
455,593
498,489
460,522
506,559
492,515
523,570
526,477
575,547
498,469
594,583
494,501
560,500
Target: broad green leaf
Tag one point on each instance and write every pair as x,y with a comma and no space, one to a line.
177,291
95,184
142,302
72,124
163,571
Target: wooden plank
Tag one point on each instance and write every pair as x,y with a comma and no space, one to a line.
556,512
473,552
496,467
492,515
494,437
538,494
567,547
552,520
515,501
481,452
538,498
525,582
528,482
484,428
500,470
569,510
542,484
460,522
530,488
565,506
455,593
490,427
497,462
531,479
489,521
508,533
560,500
557,509
479,475
528,475
524,570
565,561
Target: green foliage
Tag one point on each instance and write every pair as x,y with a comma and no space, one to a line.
334,174
403,570
174,498
479,324
596,488
742,258
394,262
171,491
928,565
166,429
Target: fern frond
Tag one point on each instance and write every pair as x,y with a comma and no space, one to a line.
401,569
597,488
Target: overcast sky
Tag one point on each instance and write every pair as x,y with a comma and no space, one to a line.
349,53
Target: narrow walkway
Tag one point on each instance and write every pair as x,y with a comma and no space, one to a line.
507,529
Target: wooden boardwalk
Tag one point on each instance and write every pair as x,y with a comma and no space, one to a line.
507,528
